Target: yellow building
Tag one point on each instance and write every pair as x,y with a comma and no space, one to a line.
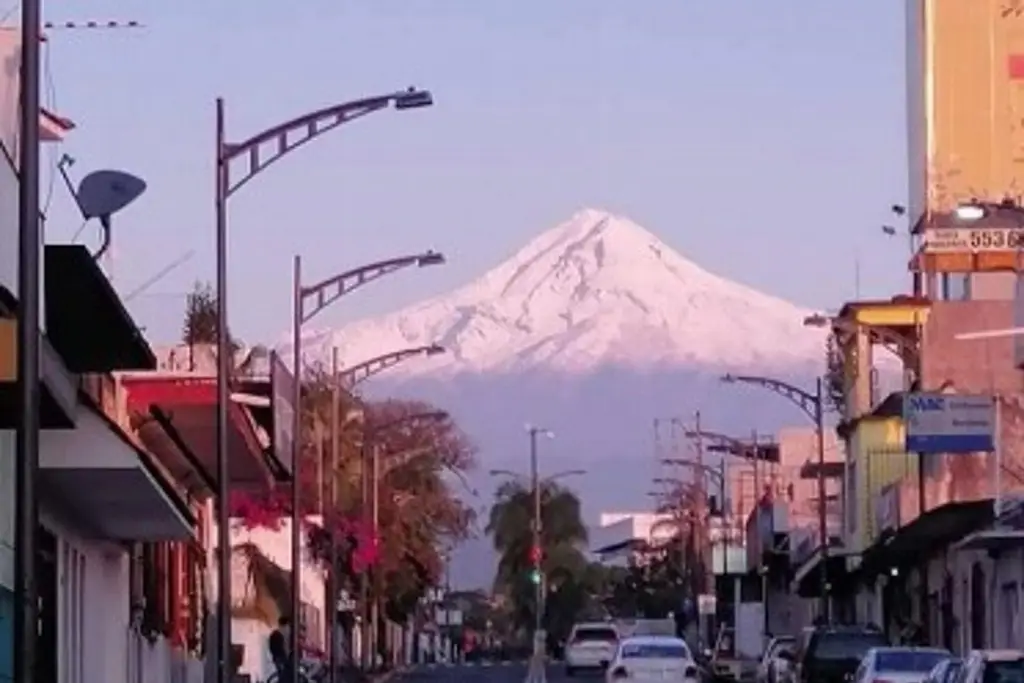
877,458
871,424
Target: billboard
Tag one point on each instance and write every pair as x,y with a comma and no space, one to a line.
949,423
282,411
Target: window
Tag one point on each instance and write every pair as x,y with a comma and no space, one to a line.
918,661
655,651
1004,672
601,634
846,645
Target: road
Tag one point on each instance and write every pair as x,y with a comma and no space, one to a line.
494,673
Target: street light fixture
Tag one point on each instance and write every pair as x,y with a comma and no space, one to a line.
813,405
289,136
357,374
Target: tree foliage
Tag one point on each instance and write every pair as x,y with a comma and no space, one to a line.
835,375
421,464
200,324
563,535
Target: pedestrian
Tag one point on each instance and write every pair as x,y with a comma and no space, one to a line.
277,643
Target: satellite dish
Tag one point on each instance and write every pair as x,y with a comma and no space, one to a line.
101,194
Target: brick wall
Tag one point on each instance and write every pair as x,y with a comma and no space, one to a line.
974,366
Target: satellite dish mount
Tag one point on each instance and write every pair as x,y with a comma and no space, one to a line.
100,195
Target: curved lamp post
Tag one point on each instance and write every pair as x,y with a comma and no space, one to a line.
812,405
359,373
254,155
308,302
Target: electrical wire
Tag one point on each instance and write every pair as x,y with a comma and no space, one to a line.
10,12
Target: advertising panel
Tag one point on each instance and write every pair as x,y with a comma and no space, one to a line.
282,390
949,423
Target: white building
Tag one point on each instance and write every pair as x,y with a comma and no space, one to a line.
619,534
252,630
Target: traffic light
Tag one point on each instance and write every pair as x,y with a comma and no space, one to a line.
535,555
535,576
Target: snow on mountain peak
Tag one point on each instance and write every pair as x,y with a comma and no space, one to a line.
595,290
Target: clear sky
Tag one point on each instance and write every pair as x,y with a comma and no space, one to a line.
764,140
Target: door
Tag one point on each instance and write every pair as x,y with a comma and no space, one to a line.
46,578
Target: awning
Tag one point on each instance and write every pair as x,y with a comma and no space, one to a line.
58,400
940,527
96,475
185,408
992,540
85,319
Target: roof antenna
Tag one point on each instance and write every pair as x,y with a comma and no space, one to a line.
100,195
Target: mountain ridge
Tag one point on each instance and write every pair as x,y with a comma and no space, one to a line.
595,290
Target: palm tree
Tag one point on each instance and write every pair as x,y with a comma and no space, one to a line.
562,534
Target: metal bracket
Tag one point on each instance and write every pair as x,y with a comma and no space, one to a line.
319,296
804,400
279,140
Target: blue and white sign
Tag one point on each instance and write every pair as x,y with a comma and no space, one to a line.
949,423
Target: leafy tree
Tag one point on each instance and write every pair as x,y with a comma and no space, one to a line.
835,375
200,325
562,535
419,507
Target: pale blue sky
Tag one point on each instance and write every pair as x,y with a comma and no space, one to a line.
764,140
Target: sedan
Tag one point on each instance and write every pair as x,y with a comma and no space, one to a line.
653,658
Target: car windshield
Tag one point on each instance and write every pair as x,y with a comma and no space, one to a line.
655,651
603,634
909,660
1004,672
847,645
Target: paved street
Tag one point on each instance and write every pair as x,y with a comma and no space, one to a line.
483,673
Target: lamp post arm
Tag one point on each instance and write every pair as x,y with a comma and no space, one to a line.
293,134
804,400
319,296
355,375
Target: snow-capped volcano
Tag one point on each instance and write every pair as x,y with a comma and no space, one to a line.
596,290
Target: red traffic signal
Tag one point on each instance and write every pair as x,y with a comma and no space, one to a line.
535,554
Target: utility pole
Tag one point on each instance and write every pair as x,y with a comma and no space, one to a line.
538,589
26,462
819,419
331,518
375,521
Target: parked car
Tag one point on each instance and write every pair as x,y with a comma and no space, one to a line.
770,664
831,654
899,664
992,666
945,671
590,646
665,659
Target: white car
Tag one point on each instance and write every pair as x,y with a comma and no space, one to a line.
899,664
771,665
666,659
590,646
993,666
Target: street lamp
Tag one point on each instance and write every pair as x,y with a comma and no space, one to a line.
288,136
308,302
813,405
357,374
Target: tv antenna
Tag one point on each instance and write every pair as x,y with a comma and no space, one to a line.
100,195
